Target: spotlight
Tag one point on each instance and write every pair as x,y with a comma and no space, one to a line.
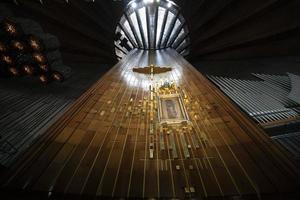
148,1
34,43
7,59
133,5
169,5
57,76
39,57
28,69
10,28
44,67
14,71
44,79
18,45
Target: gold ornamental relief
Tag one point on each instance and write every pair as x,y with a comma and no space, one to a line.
152,69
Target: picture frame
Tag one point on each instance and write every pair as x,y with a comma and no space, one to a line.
171,109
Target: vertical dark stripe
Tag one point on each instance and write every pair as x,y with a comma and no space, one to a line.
180,40
183,48
127,35
148,26
141,28
163,28
120,49
155,28
176,34
133,30
164,45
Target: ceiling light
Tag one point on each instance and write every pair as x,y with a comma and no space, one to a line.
169,5
133,5
148,1
135,28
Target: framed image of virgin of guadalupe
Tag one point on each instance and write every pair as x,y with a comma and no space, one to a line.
171,109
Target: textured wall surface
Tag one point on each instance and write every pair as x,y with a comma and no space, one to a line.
27,108
242,68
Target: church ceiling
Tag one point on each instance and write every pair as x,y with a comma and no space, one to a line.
218,29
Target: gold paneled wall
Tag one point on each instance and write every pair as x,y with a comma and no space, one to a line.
112,142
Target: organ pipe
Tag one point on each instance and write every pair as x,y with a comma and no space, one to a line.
265,100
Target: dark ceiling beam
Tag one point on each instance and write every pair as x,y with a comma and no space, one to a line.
76,13
75,58
40,10
96,53
89,15
85,51
239,21
125,53
183,48
170,29
195,7
148,26
209,14
262,26
204,51
210,38
275,47
180,40
106,8
133,30
66,34
172,40
163,28
88,10
127,35
155,28
92,50
141,28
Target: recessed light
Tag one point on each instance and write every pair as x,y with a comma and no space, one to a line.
133,5
148,1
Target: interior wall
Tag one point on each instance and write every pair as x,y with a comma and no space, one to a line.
242,68
28,107
239,29
86,33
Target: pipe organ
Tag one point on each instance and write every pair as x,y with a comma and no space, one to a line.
291,142
265,100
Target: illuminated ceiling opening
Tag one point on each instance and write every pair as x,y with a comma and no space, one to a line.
151,24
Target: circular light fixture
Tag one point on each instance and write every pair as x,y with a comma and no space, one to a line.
135,29
169,4
148,1
133,5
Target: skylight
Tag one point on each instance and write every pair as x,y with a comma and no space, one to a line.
151,24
